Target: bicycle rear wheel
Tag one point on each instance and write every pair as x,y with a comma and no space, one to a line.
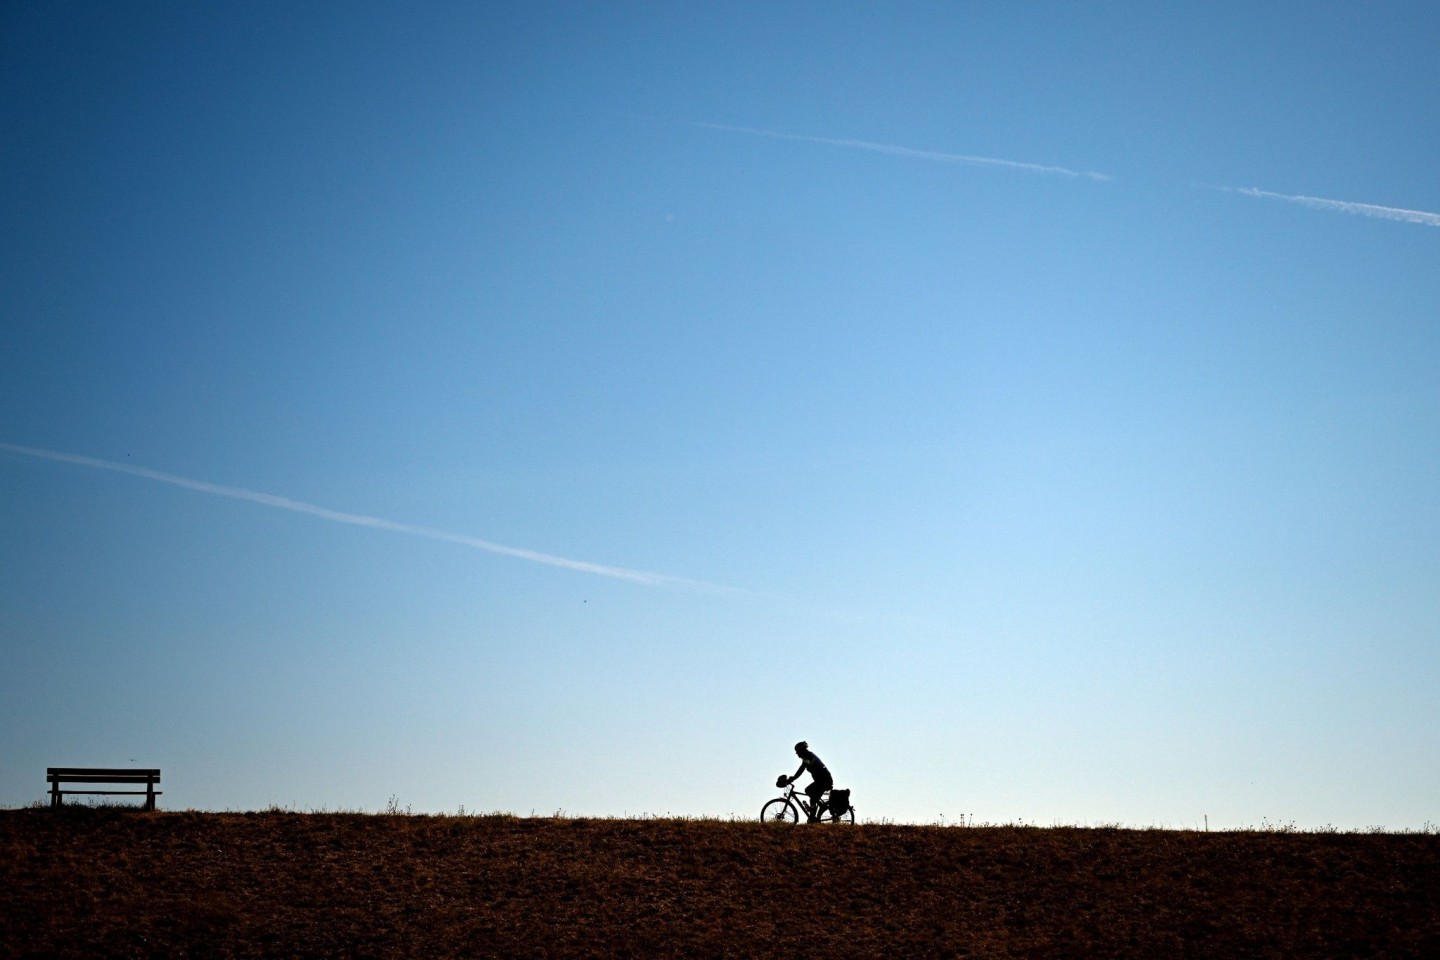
847,817
779,810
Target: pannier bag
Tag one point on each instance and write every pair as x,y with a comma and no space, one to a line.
839,802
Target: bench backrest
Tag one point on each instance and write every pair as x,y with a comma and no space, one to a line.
100,775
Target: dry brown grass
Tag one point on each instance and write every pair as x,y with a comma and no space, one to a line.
120,883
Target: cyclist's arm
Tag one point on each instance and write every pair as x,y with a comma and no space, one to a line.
796,775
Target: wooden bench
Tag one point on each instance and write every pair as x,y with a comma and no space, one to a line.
55,776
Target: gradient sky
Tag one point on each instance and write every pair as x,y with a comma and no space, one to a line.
537,407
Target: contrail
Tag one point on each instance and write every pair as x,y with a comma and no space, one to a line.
910,152
360,520
1345,206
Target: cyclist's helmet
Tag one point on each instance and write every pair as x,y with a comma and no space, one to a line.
801,747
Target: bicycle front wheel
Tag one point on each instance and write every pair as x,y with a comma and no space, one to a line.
779,810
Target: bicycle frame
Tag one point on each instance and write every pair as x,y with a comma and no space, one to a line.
802,801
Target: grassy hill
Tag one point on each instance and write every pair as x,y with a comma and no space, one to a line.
122,883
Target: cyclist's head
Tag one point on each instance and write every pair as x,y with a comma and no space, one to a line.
801,747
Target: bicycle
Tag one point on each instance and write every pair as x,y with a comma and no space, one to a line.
787,809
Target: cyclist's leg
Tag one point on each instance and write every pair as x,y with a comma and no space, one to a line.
815,791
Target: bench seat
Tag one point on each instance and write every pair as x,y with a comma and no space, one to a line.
56,776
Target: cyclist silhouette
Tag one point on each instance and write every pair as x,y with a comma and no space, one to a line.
819,775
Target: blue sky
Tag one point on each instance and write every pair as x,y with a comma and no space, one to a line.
541,407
